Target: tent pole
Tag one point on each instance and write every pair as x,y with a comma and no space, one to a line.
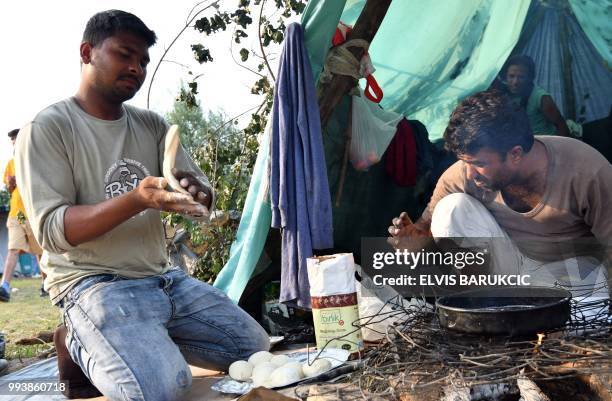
365,28
348,135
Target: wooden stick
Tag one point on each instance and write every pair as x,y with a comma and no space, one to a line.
347,147
529,390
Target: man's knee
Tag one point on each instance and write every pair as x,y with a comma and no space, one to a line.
127,371
156,385
259,341
173,385
263,340
459,215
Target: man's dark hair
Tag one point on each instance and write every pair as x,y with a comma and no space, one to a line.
13,133
108,23
488,119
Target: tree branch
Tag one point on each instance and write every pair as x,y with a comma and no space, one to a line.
261,47
236,61
237,116
220,137
189,21
185,66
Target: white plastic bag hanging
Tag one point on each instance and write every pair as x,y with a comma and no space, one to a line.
372,130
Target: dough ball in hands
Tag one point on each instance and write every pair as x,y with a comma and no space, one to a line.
285,375
259,357
279,360
261,374
241,370
317,367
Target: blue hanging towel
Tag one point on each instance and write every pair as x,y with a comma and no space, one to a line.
299,190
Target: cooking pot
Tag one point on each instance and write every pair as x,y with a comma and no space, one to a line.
509,310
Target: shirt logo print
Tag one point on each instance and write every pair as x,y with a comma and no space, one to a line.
123,176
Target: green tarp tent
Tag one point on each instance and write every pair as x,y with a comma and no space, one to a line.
428,55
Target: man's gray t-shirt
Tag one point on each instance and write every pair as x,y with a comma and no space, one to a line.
67,157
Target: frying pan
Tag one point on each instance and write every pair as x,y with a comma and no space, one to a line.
510,311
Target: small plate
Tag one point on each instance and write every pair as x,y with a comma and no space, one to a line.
336,356
275,340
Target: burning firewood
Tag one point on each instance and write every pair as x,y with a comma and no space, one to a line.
529,390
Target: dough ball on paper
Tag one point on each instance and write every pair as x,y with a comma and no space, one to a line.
240,370
316,367
264,365
297,366
279,360
285,375
261,374
259,357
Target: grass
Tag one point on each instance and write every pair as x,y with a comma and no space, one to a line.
25,316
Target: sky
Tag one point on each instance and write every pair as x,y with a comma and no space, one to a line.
40,59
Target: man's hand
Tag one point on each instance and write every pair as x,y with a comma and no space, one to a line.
84,223
407,235
200,193
12,183
151,194
402,226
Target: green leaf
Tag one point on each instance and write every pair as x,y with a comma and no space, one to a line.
193,87
297,6
242,17
202,54
261,86
278,37
239,34
203,25
244,54
219,22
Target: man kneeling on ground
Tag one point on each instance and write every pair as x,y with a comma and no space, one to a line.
90,172
541,203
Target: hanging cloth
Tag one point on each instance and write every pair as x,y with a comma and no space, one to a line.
341,61
401,156
299,189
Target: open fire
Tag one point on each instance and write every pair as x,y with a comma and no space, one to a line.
420,360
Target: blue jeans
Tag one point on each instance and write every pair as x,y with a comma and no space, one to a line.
134,337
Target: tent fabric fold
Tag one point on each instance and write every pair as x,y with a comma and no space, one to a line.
568,66
594,18
252,230
452,49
